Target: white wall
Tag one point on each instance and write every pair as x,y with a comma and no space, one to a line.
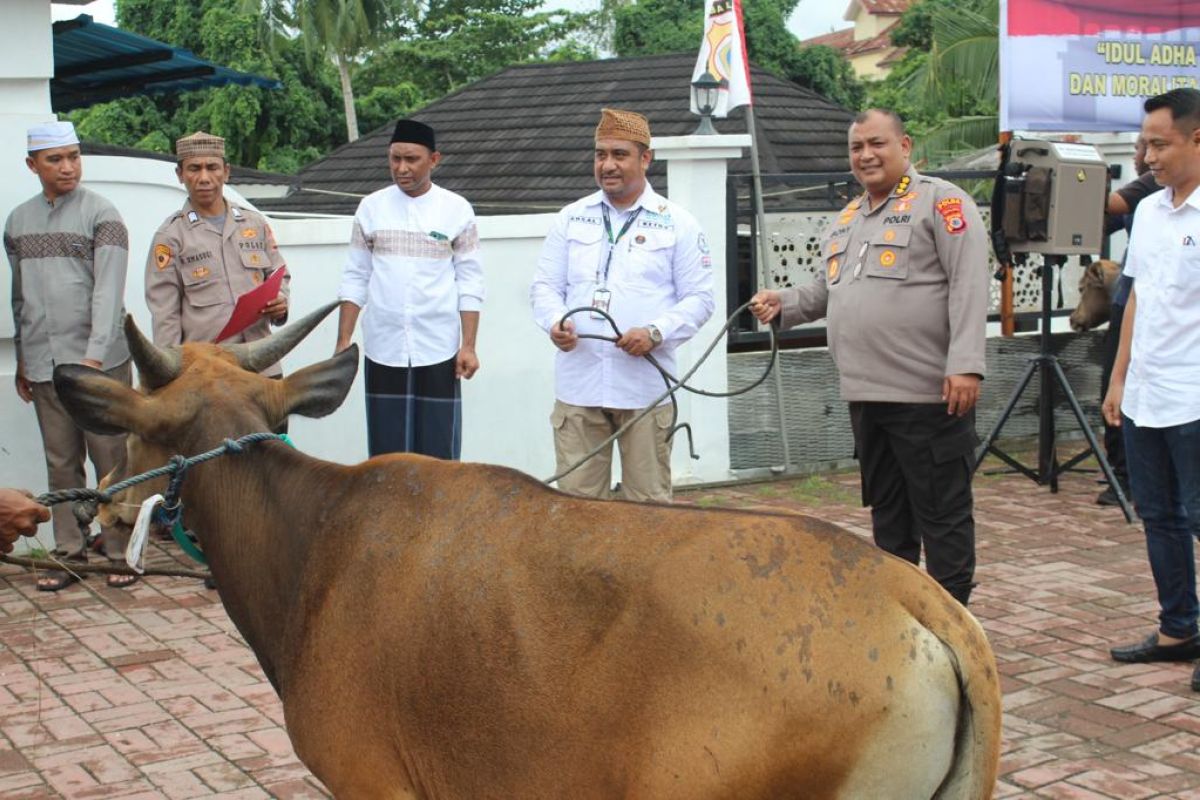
26,64
506,406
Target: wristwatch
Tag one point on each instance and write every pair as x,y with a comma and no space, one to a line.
655,334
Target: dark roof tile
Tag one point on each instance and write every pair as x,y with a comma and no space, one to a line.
518,141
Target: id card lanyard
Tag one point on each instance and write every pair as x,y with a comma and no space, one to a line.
602,296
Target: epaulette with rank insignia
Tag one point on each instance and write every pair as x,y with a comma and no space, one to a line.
902,186
849,211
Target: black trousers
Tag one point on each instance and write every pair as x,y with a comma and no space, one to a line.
1114,441
915,461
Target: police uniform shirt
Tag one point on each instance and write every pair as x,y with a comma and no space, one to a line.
905,290
68,259
660,274
195,274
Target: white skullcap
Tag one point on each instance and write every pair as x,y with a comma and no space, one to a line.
51,134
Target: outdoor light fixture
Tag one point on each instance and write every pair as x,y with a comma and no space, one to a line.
706,89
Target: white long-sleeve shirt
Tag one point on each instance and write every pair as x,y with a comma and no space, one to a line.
413,266
660,274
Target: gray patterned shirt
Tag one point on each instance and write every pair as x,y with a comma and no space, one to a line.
68,282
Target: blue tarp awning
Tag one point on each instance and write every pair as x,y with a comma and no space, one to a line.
94,63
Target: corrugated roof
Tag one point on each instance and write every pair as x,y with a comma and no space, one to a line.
520,141
94,63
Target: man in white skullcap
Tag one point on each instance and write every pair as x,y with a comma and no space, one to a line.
69,249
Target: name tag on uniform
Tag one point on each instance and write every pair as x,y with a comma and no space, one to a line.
600,301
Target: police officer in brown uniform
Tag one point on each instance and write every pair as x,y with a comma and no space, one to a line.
905,291
208,253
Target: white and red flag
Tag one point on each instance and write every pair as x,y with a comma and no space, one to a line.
723,55
1088,65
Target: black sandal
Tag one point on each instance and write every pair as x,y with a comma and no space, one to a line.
120,581
55,580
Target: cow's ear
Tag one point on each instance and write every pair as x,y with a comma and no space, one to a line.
98,402
318,389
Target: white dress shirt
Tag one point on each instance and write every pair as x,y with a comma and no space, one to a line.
1162,385
413,266
660,274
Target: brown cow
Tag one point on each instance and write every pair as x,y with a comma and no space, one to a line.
1096,286
446,630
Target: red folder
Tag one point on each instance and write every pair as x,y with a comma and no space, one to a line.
246,312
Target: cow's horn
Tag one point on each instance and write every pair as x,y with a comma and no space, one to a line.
258,355
157,366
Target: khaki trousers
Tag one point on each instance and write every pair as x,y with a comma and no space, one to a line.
645,451
66,445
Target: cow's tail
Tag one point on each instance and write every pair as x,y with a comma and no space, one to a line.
972,774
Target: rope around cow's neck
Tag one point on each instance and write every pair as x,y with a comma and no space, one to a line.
87,504
176,467
673,384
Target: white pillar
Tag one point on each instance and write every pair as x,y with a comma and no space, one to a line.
26,66
696,171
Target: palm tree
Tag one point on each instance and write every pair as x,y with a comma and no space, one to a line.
961,73
340,30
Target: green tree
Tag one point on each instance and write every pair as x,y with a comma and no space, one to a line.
343,31
652,27
455,42
946,86
444,45
827,72
276,129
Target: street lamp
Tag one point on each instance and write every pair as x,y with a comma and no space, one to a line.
706,89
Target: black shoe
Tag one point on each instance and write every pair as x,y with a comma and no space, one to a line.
210,582
1196,679
1150,650
1107,498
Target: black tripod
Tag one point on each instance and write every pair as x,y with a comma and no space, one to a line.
1046,364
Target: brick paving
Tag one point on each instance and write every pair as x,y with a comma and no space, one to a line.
150,692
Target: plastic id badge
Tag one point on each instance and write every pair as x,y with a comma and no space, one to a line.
600,301
135,550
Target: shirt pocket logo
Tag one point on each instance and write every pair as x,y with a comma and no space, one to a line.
835,254
650,260
888,253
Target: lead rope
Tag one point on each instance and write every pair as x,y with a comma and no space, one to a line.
673,384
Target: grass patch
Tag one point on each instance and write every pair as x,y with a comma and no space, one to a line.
711,501
820,490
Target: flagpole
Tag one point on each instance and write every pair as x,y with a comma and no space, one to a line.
760,224
722,64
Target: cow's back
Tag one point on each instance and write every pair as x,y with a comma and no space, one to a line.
526,643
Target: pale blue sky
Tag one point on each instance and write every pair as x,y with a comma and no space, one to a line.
812,17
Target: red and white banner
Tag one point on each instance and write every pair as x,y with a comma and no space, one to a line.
723,55
1089,65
